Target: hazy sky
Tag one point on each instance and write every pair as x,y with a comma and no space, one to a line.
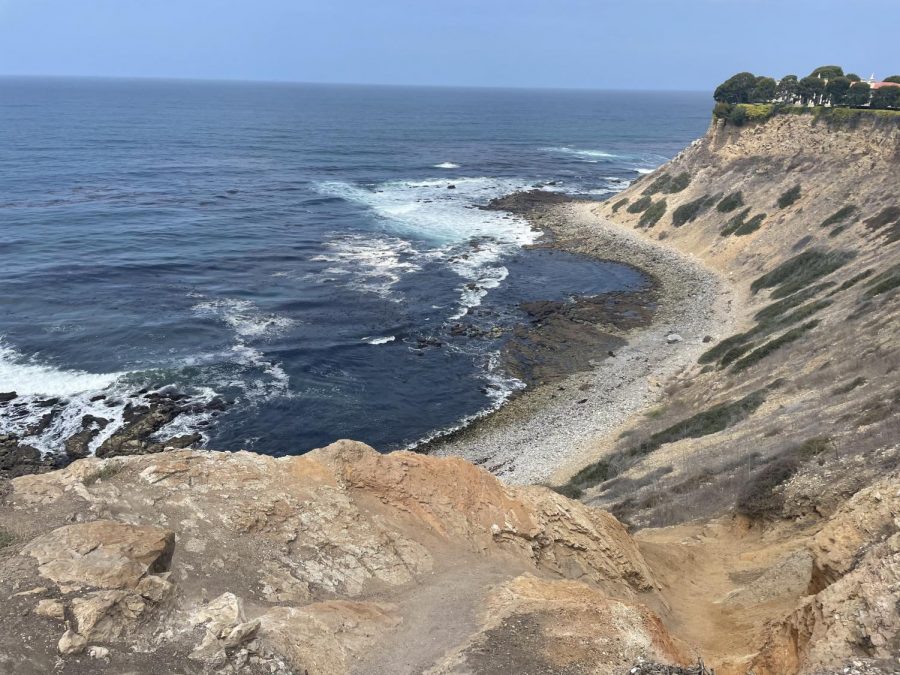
625,44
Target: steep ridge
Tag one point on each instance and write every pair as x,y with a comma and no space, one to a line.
751,471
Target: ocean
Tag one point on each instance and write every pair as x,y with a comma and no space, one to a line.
293,263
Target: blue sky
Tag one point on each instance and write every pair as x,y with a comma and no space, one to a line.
621,44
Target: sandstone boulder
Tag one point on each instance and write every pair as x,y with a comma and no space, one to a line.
101,554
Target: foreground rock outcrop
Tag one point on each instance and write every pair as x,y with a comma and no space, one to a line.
342,560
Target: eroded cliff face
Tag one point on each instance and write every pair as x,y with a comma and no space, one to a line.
774,459
342,560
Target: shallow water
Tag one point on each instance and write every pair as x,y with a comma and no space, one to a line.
294,249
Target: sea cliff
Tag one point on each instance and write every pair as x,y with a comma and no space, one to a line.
746,437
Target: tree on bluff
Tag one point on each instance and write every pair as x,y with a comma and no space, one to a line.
811,89
893,78
827,72
886,97
836,90
853,77
859,94
736,89
764,90
788,89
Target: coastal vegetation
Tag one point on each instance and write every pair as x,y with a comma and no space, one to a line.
801,270
730,202
668,184
654,212
827,92
710,421
640,205
619,204
788,197
840,215
740,226
826,85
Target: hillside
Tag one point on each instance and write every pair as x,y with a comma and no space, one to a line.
754,476
789,421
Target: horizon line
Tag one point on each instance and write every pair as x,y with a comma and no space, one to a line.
227,80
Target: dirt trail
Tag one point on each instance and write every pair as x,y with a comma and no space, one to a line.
709,571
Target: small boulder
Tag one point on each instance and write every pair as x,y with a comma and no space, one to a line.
96,652
71,643
673,338
51,609
101,554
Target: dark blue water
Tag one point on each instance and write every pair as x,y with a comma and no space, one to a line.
293,249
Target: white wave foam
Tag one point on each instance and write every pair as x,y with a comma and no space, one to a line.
373,264
379,340
431,210
470,239
446,165
26,376
580,152
644,171
244,317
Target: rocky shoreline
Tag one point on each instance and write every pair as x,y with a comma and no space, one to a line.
145,415
551,428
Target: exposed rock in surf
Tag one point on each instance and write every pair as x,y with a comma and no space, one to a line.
527,201
7,396
19,459
570,336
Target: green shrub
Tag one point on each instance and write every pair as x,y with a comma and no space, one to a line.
736,221
716,352
678,183
652,215
751,225
688,212
888,220
105,472
641,204
735,353
799,314
812,447
709,421
737,116
839,216
5,538
758,498
884,282
659,184
776,309
762,352
788,197
731,202
757,112
619,204
850,283
721,110
801,270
